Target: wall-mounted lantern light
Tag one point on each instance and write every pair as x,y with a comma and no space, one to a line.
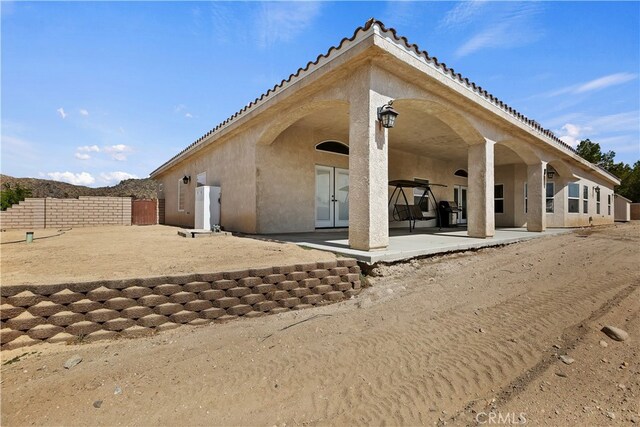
387,115
186,179
597,189
550,172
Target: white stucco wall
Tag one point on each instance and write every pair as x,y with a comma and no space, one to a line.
231,166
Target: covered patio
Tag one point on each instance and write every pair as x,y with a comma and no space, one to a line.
404,245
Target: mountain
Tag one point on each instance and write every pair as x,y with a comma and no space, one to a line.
136,188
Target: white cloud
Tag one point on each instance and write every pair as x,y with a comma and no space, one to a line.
116,177
613,129
84,112
505,25
593,85
572,134
606,81
188,115
463,13
82,156
281,22
89,148
118,152
62,113
82,178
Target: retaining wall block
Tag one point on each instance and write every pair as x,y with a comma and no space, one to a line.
183,316
65,318
136,312
182,297
238,292
66,296
153,300
168,308
85,306
196,287
252,299
239,310
211,294
198,305
136,292
118,324
82,328
134,307
102,315
167,289
226,302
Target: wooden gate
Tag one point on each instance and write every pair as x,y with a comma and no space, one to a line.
144,212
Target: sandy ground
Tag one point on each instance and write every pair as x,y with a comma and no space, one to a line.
443,340
95,253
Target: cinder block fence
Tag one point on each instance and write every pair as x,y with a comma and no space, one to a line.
85,211
128,308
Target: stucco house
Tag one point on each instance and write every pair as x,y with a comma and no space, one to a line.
312,152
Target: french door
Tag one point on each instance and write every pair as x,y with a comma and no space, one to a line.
460,197
332,197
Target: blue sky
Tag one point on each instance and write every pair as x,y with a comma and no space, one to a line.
94,92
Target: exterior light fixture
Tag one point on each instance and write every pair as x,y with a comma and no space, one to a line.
550,172
597,189
186,179
387,115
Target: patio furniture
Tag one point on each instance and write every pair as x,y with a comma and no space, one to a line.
413,213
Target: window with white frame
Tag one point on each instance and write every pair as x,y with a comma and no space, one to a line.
585,199
181,195
498,198
417,196
550,191
573,198
597,200
609,204
526,197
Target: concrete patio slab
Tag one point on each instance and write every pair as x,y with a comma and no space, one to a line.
404,245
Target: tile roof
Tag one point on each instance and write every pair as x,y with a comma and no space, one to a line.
411,46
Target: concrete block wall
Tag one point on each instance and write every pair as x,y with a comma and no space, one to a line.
58,213
160,216
31,314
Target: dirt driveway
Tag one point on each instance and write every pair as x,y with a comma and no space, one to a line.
450,339
117,252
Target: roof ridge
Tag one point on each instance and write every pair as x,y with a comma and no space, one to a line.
421,53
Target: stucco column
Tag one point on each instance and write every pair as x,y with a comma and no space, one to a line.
480,210
536,197
368,172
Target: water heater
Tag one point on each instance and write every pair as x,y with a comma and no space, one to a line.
207,212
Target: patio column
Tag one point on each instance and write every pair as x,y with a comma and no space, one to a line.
368,170
480,210
536,197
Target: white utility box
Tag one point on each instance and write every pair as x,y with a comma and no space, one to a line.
207,207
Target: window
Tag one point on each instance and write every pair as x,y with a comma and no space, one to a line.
585,199
574,198
549,196
417,195
181,192
609,204
462,173
526,197
333,147
498,198
597,200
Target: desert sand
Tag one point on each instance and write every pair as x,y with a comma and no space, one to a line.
120,252
448,339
